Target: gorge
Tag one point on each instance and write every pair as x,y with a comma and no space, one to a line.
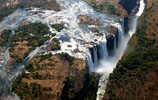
87,40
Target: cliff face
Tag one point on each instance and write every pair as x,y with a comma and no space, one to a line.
123,9
135,75
129,5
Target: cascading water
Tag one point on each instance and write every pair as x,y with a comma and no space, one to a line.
75,36
107,65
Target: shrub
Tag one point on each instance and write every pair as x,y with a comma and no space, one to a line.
66,57
4,37
44,57
19,60
30,68
55,47
58,27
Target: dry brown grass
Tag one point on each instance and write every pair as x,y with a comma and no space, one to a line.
54,72
152,20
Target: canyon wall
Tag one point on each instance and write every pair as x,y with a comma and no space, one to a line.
135,75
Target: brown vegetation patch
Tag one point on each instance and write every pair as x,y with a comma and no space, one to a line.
20,49
150,17
51,72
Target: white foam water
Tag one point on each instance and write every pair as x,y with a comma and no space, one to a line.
73,36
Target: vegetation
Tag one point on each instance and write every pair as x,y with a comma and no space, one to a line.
92,88
29,37
51,5
36,75
58,27
7,10
143,57
88,92
4,12
33,90
42,68
30,68
66,57
30,91
67,92
56,46
44,57
105,8
37,28
4,37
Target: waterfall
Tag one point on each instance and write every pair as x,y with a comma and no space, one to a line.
100,53
99,58
95,54
108,64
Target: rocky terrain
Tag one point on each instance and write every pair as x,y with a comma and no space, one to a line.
47,76
57,49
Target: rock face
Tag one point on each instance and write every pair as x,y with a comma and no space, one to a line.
111,29
84,19
129,5
112,38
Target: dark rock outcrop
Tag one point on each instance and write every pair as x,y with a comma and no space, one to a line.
112,38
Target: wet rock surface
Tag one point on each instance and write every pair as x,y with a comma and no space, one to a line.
84,19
